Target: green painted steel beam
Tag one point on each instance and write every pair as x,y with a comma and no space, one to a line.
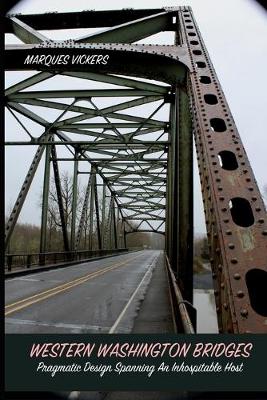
74,203
91,145
87,113
131,31
151,193
185,197
120,81
103,125
60,199
142,207
10,225
84,157
83,19
29,114
97,214
103,161
143,201
83,213
147,185
45,199
145,219
160,175
24,84
103,214
80,94
25,33
117,146
117,107
147,180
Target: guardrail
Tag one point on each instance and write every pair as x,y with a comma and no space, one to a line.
182,318
17,261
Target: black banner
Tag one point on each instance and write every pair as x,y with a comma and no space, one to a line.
135,362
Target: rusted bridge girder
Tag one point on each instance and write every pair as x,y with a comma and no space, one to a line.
145,163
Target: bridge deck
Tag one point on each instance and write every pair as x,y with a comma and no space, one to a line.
126,293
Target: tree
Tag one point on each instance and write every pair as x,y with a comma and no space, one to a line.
54,223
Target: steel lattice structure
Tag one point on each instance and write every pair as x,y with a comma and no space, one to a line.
145,162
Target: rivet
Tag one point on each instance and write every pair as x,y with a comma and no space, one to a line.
216,293
228,232
261,221
258,209
254,198
220,267
222,285
225,306
231,245
226,220
244,312
264,232
240,294
234,261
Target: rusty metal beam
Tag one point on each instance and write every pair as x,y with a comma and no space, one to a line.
234,209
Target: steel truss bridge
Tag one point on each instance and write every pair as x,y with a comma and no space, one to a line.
128,124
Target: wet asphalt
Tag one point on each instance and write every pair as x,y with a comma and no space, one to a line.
104,302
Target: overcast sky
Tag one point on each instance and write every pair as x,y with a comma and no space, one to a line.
235,33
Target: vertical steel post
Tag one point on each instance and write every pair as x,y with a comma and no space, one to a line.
91,212
124,235
103,214
185,196
74,201
118,227
45,200
171,198
99,238
109,224
173,187
83,214
114,225
59,198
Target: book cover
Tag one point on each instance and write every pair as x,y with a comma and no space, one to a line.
136,234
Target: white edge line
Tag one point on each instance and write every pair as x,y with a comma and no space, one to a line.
112,329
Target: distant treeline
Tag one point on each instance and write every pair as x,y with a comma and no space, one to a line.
26,239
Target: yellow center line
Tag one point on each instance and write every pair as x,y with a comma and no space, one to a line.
18,305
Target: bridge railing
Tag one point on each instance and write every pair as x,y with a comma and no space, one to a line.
29,260
184,312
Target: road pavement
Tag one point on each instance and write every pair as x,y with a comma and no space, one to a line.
102,296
